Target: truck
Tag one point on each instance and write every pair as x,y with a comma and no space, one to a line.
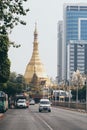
21,96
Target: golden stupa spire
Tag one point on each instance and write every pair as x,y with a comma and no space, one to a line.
35,33
35,66
35,54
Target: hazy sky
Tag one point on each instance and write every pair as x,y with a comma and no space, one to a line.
46,13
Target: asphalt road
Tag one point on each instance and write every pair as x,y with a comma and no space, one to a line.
31,119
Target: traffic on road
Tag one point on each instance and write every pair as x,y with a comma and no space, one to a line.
31,119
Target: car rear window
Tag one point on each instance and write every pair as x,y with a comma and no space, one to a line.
44,102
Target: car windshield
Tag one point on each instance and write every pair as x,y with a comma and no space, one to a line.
44,102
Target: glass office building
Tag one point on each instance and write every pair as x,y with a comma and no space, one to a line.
75,29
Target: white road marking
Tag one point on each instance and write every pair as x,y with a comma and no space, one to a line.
44,122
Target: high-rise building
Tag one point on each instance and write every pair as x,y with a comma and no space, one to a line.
76,57
75,38
59,51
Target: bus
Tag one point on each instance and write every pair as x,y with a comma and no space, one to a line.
3,102
61,95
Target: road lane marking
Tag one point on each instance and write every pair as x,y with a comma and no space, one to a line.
44,122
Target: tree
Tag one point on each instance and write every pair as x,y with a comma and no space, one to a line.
77,79
12,77
14,85
10,11
81,94
4,61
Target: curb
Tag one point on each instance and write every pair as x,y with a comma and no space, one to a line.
78,110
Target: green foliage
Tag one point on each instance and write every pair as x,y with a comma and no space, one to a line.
81,94
13,86
10,10
4,43
12,77
4,61
4,71
3,86
20,79
73,92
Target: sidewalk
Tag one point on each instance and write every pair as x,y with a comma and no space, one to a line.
67,108
1,115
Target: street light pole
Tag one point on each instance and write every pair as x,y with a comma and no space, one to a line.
77,94
69,93
86,93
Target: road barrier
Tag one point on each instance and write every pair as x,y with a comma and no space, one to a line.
73,105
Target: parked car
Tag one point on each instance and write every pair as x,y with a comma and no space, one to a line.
44,105
32,102
21,103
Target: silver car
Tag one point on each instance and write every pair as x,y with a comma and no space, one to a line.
44,105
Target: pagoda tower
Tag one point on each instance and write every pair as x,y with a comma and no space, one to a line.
35,69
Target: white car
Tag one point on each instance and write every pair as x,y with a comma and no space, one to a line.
44,105
21,103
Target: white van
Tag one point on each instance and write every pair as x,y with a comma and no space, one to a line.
44,105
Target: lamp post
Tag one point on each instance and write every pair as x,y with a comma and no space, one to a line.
85,77
77,93
69,94
58,85
86,93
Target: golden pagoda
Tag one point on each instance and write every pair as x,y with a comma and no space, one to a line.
35,69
